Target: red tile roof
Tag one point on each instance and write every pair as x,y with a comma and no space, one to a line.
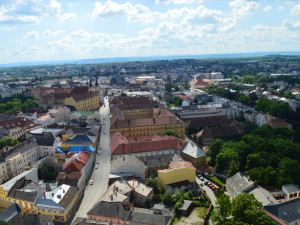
145,122
68,176
22,122
133,102
181,164
76,162
122,145
74,166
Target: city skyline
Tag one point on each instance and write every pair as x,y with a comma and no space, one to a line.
40,30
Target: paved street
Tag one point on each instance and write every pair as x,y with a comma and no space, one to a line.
209,192
99,176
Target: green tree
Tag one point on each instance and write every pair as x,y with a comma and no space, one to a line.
223,210
214,149
167,197
4,223
123,94
151,182
244,99
246,209
171,133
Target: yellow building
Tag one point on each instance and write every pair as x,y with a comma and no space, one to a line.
85,102
192,153
149,126
177,172
138,116
60,203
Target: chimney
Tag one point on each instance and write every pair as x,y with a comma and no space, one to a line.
44,194
111,197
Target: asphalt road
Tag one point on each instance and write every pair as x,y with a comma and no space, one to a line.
99,176
209,192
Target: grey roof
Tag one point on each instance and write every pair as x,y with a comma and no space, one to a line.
110,209
8,185
155,160
80,139
45,141
147,218
290,188
131,160
68,197
287,212
193,150
239,183
35,219
10,212
47,203
23,195
186,204
158,206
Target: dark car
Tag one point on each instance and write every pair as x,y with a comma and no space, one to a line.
206,183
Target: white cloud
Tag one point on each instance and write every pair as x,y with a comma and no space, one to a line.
67,17
55,7
280,8
241,8
79,34
49,33
176,1
133,12
291,25
267,8
32,34
295,11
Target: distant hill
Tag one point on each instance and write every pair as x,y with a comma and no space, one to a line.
146,58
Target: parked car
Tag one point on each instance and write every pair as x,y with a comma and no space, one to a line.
96,167
91,182
206,183
199,175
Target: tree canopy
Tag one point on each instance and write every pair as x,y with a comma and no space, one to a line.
243,210
268,155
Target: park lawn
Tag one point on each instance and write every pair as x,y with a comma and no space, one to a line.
218,180
202,212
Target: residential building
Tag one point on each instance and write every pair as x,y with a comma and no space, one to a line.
36,219
59,204
47,144
238,184
291,191
139,119
79,140
45,120
202,83
7,187
78,97
15,127
77,167
118,213
285,213
135,108
10,212
21,157
60,114
177,172
206,136
128,164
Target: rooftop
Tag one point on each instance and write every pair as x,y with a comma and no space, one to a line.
193,150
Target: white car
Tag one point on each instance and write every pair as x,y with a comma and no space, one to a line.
96,167
91,182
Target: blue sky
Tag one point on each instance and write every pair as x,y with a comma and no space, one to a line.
39,30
